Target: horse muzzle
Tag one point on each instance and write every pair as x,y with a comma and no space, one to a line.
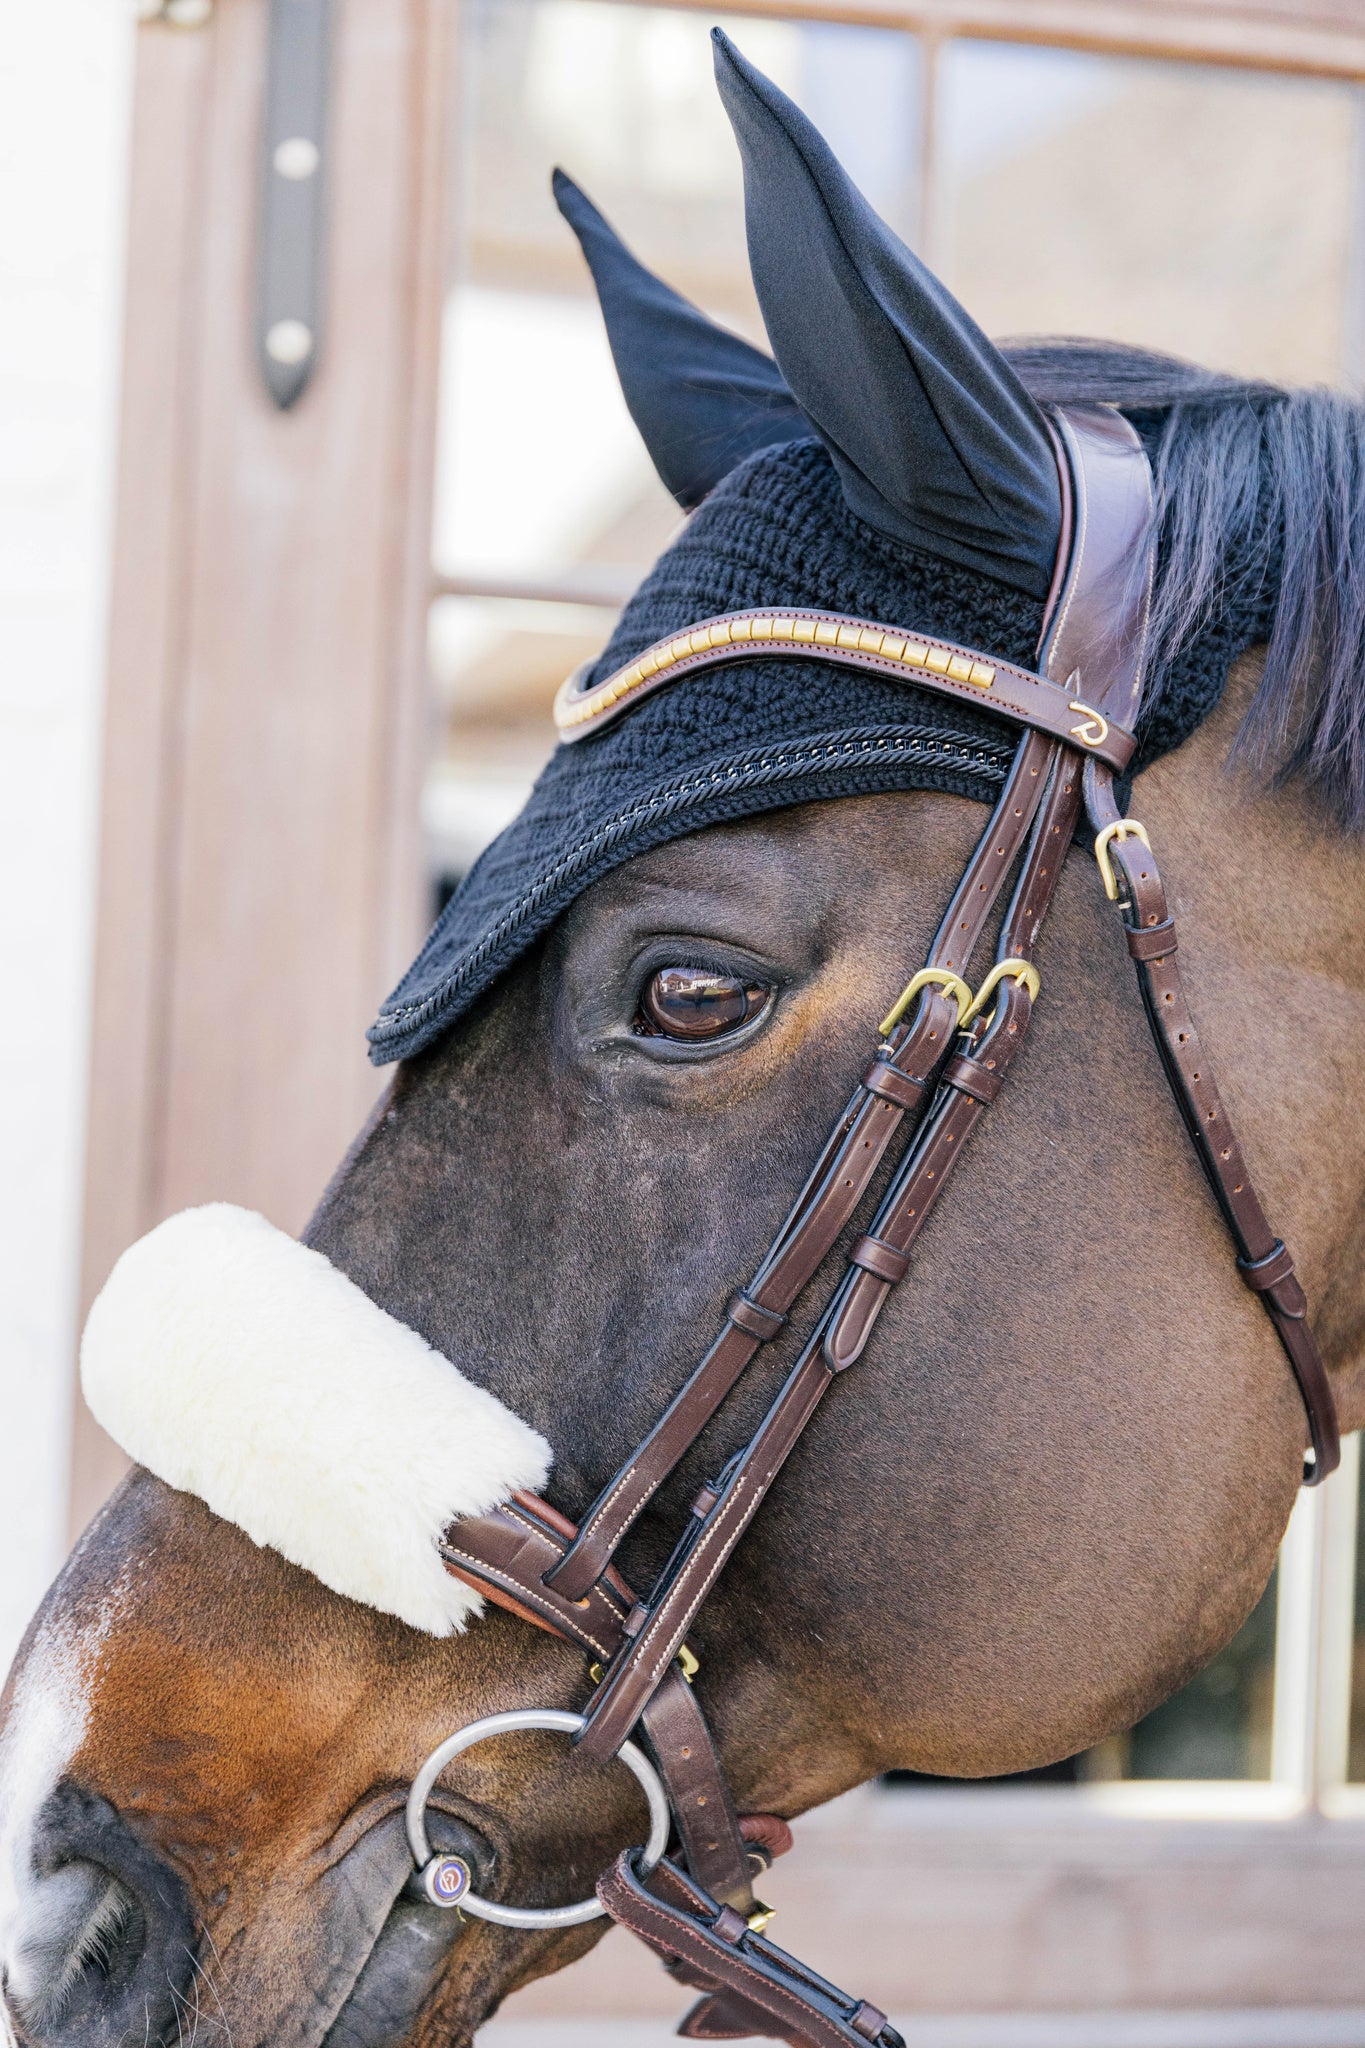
98,1944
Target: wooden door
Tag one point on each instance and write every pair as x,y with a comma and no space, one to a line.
261,880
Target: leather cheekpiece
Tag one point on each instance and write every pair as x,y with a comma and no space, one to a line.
981,1083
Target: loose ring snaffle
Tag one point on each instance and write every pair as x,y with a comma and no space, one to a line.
444,1880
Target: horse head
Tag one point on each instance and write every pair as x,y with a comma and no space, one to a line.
1054,1484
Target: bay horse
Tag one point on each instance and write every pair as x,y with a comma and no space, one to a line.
1056,1482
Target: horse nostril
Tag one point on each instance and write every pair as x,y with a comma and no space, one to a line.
84,1928
99,1945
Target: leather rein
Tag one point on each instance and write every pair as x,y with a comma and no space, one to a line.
942,1060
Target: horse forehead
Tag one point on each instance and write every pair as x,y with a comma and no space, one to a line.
853,829
802,867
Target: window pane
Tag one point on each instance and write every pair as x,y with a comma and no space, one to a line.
544,490
496,664
540,465
1217,1726
1355,1769
1200,211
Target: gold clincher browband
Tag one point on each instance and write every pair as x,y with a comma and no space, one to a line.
1012,692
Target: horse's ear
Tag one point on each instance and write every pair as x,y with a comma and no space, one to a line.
702,398
935,439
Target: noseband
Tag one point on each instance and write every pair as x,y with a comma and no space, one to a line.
942,1061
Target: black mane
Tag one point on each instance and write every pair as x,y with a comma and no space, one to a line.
1261,498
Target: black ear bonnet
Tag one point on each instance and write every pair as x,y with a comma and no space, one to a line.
702,398
888,464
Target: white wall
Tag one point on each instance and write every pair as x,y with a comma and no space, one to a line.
65,86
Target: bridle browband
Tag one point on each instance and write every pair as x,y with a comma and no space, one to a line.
942,1061
1015,693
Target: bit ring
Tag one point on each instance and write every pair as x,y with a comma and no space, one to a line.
445,1886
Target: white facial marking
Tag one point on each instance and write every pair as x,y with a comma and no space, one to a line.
46,1723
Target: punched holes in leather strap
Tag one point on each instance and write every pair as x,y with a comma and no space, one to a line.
1263,1274
753,1319
973,1079
892,1085
876,1256
1151,942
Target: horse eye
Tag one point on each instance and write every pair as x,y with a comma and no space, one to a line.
694,1002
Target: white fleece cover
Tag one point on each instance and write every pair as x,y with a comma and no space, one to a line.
240,1366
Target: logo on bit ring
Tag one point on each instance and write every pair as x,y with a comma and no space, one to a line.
445,1880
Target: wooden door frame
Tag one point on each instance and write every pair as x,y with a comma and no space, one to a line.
261,881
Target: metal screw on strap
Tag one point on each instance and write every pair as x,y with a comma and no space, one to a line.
1122,828
444,1880
928,977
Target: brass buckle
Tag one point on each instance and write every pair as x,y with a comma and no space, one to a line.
1022,971
1122,828
688,1659
928,977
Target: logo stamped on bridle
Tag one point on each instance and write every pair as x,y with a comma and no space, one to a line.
1093,730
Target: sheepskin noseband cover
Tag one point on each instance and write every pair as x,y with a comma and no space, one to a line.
240,1366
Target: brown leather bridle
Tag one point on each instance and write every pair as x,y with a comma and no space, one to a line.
942,1061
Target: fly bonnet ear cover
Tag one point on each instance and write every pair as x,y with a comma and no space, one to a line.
884,461
238,1365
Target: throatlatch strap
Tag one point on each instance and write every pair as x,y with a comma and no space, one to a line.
1128,863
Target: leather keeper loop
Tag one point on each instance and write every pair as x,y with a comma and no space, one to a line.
892,1085
1263,1274
882,1260
1151,942
755,1321
730,1926
867,2021
973,1079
